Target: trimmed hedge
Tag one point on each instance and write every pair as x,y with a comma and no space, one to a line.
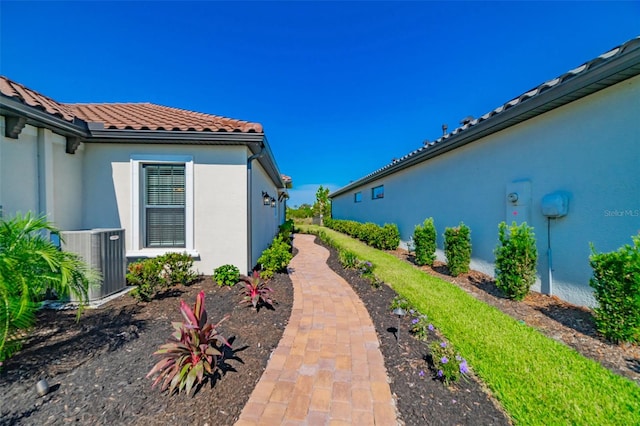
385,237
616,284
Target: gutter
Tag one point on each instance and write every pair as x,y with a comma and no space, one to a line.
250,204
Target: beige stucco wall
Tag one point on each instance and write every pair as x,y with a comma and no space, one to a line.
590,149
37,175
265,219
219,201
19,171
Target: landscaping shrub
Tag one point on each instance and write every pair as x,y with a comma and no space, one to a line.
275,258
192,352
176,268
256,292
457,249
424,237
30,265
516,257
228,275
385,237
146,274
616,283
388,237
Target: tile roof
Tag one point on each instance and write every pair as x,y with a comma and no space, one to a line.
147,116
469,123
127,116
34,99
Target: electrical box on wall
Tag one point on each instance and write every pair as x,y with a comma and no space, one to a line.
518,201
555,204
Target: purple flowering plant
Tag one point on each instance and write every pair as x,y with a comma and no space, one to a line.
449,365
420,326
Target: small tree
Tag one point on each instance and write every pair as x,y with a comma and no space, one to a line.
516,258
322,206
457,249
424,238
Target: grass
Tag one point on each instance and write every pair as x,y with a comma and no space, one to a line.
536,379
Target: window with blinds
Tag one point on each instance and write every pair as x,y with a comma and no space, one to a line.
164,205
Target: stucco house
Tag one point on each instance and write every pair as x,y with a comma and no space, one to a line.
563,156
174,180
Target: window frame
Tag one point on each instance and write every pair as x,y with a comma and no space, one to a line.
357,197
380,195
138,205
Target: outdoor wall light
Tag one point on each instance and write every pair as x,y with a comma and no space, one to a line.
266,199
273,202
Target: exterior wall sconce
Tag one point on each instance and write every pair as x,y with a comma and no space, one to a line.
273,202
266,199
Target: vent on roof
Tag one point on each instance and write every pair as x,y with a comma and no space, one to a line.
468,119
444,129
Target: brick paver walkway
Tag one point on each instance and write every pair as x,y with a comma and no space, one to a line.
328,368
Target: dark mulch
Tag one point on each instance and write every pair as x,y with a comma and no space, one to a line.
421,399
569,324
96,368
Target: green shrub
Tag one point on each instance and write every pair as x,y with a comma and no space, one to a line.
516,257
424,237
616,281
457,249
176,268
275,258
146,274
228,275
385,237
388,237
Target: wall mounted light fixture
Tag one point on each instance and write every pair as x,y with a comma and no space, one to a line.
266,199
273,202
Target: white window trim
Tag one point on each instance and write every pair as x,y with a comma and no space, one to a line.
137,249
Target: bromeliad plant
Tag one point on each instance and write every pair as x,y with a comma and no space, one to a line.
193,351
256,291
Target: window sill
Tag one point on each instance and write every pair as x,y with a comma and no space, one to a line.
160,251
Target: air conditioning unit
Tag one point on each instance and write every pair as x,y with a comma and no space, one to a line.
104,251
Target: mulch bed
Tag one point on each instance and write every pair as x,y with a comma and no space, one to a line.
421,398
96,367
562,321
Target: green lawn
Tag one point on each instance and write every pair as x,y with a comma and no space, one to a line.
536,379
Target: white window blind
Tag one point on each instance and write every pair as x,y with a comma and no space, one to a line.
164,193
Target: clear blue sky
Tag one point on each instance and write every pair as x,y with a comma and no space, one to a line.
340,87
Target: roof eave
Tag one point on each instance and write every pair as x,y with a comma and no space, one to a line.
36,117
253,140
594,80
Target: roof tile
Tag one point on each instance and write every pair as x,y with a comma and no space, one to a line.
128,116
34,99
148,116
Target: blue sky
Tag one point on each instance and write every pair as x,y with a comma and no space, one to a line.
341,87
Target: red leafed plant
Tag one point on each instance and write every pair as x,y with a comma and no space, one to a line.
256,291
193,350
